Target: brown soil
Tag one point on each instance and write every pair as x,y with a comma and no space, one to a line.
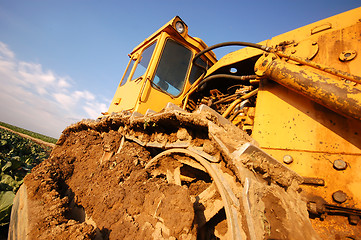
80,194
88,189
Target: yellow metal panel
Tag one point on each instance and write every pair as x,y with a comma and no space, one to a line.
312,32
320,166
287,120
129,93
321,27
156,101
289,125
234,57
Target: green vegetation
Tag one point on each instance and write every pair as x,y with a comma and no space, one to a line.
17,157
30,133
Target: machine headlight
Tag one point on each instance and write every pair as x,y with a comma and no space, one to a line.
179,26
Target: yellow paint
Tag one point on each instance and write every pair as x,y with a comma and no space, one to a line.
287,120
324,126
316,84
139,95
320,165
341,24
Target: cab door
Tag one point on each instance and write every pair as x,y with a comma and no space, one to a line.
167,81
133,81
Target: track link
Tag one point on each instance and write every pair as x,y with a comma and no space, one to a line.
234,189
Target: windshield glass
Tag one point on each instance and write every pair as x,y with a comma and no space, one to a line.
172,68
143,62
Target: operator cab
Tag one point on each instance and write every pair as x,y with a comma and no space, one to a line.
160,70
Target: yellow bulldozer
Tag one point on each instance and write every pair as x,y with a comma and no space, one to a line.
264,143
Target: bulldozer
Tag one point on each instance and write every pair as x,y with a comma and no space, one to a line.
269,134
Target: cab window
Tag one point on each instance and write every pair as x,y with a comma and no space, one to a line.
143,61
172,69
197,71
127,73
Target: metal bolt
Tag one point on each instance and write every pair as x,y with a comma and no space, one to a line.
339,164
339,196
287,159
347,55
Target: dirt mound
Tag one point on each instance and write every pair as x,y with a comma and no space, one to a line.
81,193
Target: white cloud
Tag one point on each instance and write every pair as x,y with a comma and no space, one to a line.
63,83
39,99
64,100
83,94
92,109
33,75
5,52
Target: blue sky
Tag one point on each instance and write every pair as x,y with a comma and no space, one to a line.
60,61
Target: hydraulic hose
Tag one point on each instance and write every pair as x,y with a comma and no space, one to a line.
235,43
239,100
244,44
228,76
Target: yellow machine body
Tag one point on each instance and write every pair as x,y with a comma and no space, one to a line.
313,117
307,114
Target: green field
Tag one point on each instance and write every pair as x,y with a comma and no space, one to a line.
17,157
30,133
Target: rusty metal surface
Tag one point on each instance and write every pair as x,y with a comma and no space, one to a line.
313,181
318,86
336,227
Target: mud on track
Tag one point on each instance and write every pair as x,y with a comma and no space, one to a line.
144,178
80,197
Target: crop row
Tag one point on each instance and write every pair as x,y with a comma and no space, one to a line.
17,157
30,133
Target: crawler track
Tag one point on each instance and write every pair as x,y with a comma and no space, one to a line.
167,175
